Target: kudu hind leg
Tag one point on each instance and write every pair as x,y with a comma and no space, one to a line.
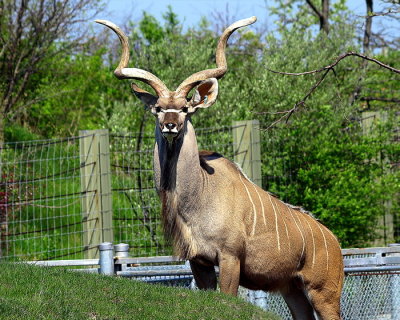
204,276
299,305
326,304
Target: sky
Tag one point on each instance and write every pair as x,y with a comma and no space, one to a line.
190,12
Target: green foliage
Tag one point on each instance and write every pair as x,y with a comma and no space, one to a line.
151,29
298,16
322,159
15,132
31,292
74,89
338,174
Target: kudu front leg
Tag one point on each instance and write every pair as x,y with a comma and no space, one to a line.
204,276
229,274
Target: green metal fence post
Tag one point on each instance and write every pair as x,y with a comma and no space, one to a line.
96,190
247,148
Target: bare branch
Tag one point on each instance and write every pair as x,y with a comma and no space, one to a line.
390,13
338,59
314,8
287,114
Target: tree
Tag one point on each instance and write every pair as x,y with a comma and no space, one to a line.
32,31
305,14
343,176
322,14
368,26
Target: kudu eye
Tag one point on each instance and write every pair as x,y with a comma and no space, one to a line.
158,109
185,109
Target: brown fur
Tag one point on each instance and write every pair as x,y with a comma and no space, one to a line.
282,247
215,216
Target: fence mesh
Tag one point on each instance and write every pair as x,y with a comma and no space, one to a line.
366,296
136,208
49,188
40,199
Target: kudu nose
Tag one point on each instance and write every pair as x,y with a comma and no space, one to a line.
170,126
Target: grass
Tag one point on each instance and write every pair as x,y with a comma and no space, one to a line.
31,292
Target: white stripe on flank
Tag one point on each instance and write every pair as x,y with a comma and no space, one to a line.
284,222
313,241
301,233
254,207
276,223
332,234
262,205
326,247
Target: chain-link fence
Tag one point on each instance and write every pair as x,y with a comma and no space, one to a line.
366,296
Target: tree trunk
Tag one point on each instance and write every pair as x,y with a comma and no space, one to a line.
323,14
368,27
324,19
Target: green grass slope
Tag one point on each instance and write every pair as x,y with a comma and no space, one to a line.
31,292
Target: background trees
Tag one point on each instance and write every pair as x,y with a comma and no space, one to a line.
321,157
32,33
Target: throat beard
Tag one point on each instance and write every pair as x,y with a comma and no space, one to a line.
169,162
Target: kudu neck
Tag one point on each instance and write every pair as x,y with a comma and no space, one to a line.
177,164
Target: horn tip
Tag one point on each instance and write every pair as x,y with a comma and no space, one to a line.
251,20
104,22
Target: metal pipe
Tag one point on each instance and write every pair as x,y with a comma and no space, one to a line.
106,258
121,250
395,287
372,269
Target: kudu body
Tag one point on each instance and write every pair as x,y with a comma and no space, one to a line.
215,216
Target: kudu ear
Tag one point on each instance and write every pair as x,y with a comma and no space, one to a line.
205,94
147,98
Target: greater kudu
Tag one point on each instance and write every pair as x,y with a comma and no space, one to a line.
215,216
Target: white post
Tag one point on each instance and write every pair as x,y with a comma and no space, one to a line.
106,258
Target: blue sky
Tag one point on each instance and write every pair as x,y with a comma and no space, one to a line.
190,12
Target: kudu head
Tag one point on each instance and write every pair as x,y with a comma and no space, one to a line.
173,108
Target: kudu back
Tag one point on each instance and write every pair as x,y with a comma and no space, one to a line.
215,216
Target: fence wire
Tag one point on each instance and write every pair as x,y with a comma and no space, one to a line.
47,188
366,296
136,207
40,211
